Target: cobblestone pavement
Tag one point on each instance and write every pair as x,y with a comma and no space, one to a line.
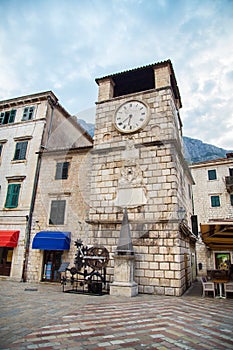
40,316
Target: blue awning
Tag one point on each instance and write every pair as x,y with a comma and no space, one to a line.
52,240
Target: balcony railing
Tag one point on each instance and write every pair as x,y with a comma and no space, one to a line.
229,183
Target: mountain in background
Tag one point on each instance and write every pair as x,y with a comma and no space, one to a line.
196,151
89,127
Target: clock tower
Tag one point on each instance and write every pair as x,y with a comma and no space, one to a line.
138,164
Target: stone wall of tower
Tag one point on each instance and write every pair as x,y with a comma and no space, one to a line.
106,89
162,76
163,254
162,125
160,258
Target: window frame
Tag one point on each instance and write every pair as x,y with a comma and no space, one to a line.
7,117
12,196
57,212
215,201
211,177
2,142
62,170
20,152
28,113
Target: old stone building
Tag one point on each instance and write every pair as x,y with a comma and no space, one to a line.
213,204
60,206
60,212
138,164
28,125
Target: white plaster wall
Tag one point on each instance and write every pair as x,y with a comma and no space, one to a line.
204,188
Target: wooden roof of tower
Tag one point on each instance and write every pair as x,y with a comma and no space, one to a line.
141,75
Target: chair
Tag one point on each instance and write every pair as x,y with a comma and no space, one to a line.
228,287
207,286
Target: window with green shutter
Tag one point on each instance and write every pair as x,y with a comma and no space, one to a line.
62,170
20,150
12,196
231,198
57,212
215,201
12,116
7,117
1,117
28,113
212,175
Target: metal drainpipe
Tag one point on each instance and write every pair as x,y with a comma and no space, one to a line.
29,219
35,185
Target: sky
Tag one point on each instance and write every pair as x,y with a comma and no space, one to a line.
64,45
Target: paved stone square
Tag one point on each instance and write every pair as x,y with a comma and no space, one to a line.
40,316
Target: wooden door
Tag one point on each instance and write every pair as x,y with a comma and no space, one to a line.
5,260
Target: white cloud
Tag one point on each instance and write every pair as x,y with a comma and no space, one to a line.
206,87
64,46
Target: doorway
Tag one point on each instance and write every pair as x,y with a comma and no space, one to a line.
52,262
6,254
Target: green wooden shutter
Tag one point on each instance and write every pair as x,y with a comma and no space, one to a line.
25,113
12,116
2,117
20,150
12,196
23,149
215,201
30,113
8,117
15,195
212,175
17,151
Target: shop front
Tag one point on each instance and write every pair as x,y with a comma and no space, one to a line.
53,244
8,241
218,239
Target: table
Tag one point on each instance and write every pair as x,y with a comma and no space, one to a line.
219,282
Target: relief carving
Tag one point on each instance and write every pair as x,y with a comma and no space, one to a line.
131,189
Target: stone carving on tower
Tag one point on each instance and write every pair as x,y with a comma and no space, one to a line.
131,189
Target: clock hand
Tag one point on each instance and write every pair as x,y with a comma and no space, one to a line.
130,117
125,119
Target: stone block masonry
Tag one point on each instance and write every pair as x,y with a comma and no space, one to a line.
144,171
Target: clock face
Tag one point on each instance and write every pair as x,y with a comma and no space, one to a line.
131,116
